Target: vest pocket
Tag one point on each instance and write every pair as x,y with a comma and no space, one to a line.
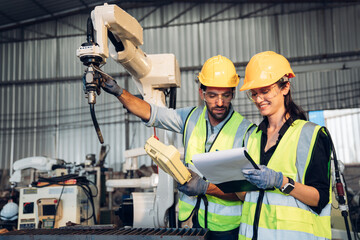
294,219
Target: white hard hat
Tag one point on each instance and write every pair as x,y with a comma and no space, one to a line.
9,211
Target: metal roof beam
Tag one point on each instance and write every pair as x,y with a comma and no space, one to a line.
42,7
73,26
249,15
43,18
40,32
7,16
180,14
84,3
8,39
217,13
16,23
300,64
158,6
41,38
258,10
147,14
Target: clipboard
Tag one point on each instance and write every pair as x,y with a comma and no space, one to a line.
223,168
239,185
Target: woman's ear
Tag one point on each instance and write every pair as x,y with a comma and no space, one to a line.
286,88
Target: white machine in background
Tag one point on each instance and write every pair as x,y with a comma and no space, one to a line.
42,207
62,197
152,74
40,163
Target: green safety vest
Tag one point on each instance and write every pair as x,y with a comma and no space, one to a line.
279,211
223,215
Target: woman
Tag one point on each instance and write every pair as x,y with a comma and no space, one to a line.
294,159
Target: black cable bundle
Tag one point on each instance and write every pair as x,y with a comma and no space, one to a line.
341,197
81,181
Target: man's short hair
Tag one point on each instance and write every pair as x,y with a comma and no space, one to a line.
203,87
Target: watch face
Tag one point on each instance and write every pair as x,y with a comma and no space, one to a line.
288,188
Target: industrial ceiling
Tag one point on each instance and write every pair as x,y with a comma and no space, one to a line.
20,13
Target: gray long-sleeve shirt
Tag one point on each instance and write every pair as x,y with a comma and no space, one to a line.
174,120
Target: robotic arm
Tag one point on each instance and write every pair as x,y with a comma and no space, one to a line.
42,164
151,73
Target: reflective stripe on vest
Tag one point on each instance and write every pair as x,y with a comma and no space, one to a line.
283,216
222,215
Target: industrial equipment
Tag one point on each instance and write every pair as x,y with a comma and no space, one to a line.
53,207
168,159
340,189
9,212
153,75
108,233
40,163
63,193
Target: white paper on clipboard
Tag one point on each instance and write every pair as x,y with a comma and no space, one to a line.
222,166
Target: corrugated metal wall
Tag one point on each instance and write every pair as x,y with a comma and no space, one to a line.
44,112
345,130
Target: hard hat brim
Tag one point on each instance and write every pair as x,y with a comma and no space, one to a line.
258,84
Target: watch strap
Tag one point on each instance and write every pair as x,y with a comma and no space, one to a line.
288,187
291,181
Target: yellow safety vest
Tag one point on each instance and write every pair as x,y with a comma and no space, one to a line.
283,216
223,215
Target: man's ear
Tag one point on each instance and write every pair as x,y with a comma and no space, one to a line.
201,93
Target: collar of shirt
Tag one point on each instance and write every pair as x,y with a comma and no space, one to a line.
213,131
265,123
265,156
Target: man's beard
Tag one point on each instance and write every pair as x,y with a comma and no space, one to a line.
218,117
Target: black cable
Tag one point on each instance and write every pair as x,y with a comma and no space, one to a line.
96,125
89,31
206,203
172,99
354,226
57,205
89,196
103,153
342,198
81,181
357,221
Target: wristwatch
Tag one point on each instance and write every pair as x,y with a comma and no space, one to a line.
288,187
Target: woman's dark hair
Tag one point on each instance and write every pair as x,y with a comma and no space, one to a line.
290,106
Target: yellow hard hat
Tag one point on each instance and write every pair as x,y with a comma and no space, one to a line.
218,71
264,69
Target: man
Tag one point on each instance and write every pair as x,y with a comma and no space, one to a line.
215,126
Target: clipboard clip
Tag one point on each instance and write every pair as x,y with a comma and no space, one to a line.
251,160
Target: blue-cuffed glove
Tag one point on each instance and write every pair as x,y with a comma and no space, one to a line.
196,185
110,86
264,178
